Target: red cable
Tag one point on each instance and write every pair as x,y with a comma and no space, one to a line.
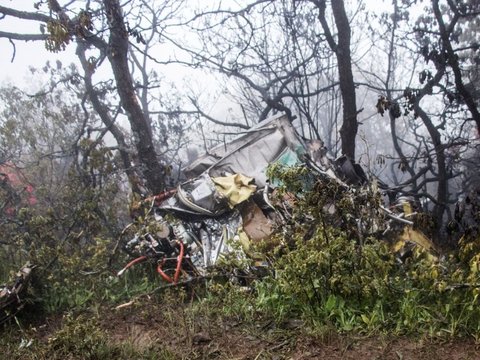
167,278
162,273
179,262
178,269
135,261
131,263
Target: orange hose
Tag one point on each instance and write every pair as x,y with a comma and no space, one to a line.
131,263
135,261
162,273
179,262
178,269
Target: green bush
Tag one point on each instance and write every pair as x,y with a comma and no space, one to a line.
328,274
364,289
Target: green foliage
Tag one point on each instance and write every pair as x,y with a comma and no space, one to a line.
69,235
295,179
365,290
231,301
321,272
79,336
70,239
325,273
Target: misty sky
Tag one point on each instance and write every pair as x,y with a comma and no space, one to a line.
34,53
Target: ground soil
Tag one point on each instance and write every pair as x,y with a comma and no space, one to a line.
147,323
231,338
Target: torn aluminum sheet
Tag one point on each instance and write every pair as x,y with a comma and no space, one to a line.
209,196
203,241
217,236
246,157
201,197
252,152
206,237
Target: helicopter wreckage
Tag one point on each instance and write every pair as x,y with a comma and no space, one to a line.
229,203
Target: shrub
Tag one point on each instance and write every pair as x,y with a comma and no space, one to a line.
326,271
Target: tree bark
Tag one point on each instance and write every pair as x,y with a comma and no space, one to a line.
439,148
348,131
117,54
341,48
442,186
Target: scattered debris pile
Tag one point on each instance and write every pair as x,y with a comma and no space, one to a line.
229,203
12,296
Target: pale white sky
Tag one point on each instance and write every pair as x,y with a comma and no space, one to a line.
27,53
34,53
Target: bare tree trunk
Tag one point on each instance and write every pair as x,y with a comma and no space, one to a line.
348,131
439,148
117,55
116,50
